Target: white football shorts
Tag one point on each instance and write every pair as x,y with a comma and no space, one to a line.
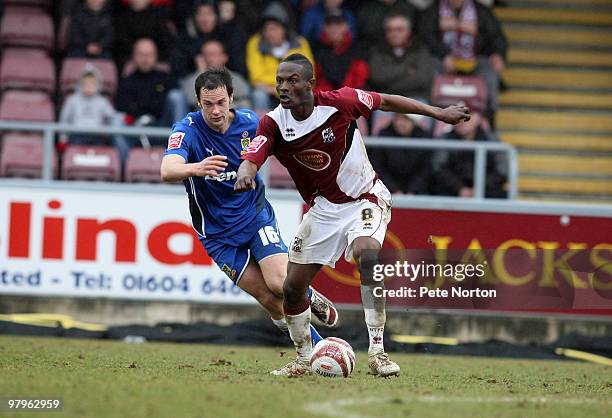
329,229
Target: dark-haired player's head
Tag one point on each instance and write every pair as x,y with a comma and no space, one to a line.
294,81
214,94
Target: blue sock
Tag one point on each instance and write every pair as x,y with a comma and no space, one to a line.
314,335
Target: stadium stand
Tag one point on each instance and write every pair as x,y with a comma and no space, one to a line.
279,176
97,163
39,4
143,165
32,106
40,74
22,156
26,27
557,111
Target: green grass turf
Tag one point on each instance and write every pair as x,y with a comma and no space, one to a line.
97,378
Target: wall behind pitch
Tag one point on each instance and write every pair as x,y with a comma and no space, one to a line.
102,244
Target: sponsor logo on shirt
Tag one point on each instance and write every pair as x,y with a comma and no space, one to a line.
175,140
365,98
313,158
230,175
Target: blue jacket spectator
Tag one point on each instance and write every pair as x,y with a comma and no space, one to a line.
312,21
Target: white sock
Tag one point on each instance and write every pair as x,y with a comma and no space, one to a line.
375,318
299,330
281,324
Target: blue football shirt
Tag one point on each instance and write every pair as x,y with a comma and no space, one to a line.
216,211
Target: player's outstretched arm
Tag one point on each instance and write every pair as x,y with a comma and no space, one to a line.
400,104
246,177
174,168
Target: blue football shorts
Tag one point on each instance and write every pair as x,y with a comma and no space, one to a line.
264,242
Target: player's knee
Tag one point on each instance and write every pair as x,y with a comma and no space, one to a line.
367,259
293,291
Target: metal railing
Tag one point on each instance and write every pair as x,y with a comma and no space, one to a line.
49,130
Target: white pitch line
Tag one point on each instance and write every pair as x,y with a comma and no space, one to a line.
334,408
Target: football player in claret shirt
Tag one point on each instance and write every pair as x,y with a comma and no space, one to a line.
315,136
238,231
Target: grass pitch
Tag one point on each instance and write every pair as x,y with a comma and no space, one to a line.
97,378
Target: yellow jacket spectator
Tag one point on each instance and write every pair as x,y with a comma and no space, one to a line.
266,49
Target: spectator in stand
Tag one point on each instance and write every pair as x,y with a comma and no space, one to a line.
371,18
455,177
337,59
266,49
403,65
141,20
313,20
403,170
465,37
87,108
204,26
149,96
212,55
91,30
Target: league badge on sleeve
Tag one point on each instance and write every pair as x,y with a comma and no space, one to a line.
365,98
175,140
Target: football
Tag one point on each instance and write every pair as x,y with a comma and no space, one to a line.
333,357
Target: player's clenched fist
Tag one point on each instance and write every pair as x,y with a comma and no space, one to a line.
454,114
244,184
210,166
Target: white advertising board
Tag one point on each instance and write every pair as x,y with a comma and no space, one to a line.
127,245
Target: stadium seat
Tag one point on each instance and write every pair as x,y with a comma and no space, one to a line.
279,176
22,155
453,89
25,27
40,74
41,4
72,68
98,163
26,106
143,165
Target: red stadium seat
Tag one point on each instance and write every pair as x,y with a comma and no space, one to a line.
25,70
143,165
26,106
72,68
82,162
279,176
453,89
26,28
41,4
22,155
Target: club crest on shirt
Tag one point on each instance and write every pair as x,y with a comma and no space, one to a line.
328,135
313,158
244,142
175,140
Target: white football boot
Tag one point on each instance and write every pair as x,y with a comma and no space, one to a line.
323,309
381,365
296,368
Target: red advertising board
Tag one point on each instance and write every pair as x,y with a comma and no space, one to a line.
462,230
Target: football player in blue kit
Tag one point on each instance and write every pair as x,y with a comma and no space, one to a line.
238,230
